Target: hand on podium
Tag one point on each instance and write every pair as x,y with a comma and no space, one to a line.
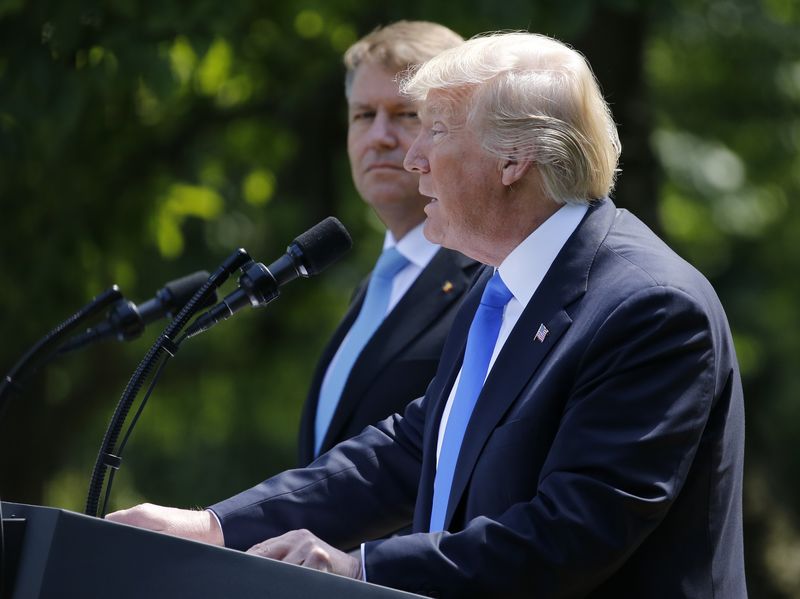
189,524
302,548
298,547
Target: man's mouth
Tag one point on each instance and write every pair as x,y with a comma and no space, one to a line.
429,196
431,203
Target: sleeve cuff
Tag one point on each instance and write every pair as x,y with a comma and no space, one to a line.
219,523
363,564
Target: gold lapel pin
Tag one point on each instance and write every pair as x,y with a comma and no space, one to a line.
447,287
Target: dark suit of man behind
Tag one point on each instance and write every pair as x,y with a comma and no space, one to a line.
401,357
603,453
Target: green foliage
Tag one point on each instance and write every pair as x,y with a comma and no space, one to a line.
726,79
140,141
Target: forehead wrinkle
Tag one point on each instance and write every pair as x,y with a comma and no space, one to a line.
449,104
444,113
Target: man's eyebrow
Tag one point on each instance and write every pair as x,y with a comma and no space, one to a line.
399,105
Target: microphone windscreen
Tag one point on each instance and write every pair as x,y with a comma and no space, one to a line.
176,293
323,244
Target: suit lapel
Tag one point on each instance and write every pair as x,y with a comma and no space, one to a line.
439,285
522,354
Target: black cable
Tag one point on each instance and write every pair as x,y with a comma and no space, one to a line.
131,426
156,376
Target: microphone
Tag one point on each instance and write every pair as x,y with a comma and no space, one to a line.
126,320
309,254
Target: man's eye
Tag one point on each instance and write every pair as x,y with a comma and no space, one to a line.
360,116
409,114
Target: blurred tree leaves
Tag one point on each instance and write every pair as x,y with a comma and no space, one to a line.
142,140
724,78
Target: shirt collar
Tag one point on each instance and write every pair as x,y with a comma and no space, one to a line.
413,246
526,266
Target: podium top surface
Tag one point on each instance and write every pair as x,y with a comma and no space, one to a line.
66,554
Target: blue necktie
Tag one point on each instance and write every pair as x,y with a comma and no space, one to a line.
369,318
480,346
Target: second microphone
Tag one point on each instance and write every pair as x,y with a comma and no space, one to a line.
308,255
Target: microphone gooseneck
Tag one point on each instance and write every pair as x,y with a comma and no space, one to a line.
167,342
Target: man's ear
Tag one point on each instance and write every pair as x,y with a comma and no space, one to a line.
513,170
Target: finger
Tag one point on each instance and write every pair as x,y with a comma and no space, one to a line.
317,558
134,516
291,547
271,548
117,516
260,549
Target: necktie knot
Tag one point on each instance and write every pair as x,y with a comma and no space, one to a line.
496,294
389,264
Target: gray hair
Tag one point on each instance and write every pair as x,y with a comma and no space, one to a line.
531,98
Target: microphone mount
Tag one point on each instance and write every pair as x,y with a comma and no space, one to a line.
258,286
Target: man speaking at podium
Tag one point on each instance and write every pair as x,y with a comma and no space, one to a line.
583,435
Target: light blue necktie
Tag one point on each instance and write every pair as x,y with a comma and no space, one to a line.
372,313
480,346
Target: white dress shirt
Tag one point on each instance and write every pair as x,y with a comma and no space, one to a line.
419,252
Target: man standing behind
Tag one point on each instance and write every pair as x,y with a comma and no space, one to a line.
386,349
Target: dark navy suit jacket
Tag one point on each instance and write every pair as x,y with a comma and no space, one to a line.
399,360
604,461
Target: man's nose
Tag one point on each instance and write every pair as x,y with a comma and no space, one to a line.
415,161
382,132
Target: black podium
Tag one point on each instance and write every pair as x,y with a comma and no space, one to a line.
52,553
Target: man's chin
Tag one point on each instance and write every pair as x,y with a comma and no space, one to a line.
432,232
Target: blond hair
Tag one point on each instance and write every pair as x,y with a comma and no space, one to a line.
399,46
532,98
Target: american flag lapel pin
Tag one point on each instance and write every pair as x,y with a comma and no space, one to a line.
541,333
